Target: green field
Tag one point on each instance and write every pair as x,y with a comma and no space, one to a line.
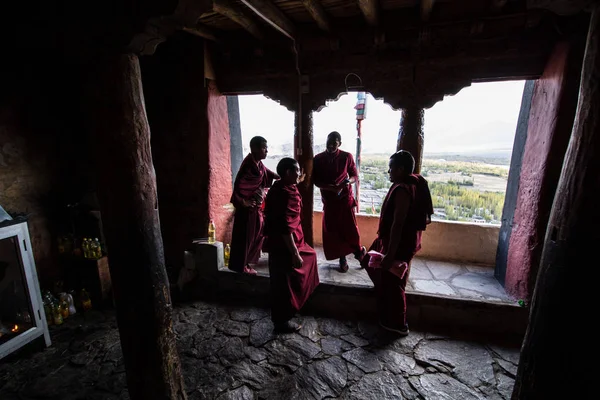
460,190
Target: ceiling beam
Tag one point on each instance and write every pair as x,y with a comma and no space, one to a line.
497,5
370,10
238,15
272,15
203,31
426,8
316,10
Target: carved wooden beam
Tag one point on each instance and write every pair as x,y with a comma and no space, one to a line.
238,15
370,9
426,7
273,15
316,10
203,31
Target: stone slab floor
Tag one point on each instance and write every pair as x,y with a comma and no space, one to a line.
228,352
452,279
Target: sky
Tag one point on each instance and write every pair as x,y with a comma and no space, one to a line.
480,117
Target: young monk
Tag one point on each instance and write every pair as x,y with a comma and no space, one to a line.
405,212
248,194
292,262
334,172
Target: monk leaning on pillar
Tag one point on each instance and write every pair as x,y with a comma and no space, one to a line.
292,263
249,189
334,172
406,211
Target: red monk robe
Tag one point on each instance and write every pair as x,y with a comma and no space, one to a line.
390,290
247,234
340,231
290,287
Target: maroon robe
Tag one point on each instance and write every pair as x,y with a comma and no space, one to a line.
290,287
340,231
247,233
390,290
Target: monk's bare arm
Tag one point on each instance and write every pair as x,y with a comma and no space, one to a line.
402,202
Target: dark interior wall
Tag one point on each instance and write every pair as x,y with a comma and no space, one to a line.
43,166
176,103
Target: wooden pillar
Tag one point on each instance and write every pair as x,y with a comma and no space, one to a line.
410,137
560,334
303,149
128,201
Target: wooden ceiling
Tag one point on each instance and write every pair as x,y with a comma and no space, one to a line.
262,18
410,51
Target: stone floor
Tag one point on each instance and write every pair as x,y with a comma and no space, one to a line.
426,276
230,353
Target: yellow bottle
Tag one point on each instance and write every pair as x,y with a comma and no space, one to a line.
85,246
86,302
98,247
212,232
226,253
57,315
64,309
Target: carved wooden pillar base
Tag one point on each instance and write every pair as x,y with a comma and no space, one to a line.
560,334
410,137
303,146
129,205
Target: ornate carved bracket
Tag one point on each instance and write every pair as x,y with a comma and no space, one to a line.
158,29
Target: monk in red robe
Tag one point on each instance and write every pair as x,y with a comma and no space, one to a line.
248,194
292,263
334,172
405,212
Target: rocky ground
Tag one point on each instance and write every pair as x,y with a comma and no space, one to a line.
231,353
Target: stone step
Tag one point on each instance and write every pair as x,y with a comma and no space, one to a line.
467,318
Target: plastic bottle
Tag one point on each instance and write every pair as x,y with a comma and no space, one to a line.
57,315
85,246
94,249
212,232
86,302
98,248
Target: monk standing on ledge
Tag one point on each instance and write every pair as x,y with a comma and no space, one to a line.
292,262
405,213
248,194
334,172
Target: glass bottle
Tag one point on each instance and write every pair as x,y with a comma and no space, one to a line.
212,232
226,254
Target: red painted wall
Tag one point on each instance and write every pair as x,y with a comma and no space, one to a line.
220,188
550,123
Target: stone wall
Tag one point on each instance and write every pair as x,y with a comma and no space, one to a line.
449,241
